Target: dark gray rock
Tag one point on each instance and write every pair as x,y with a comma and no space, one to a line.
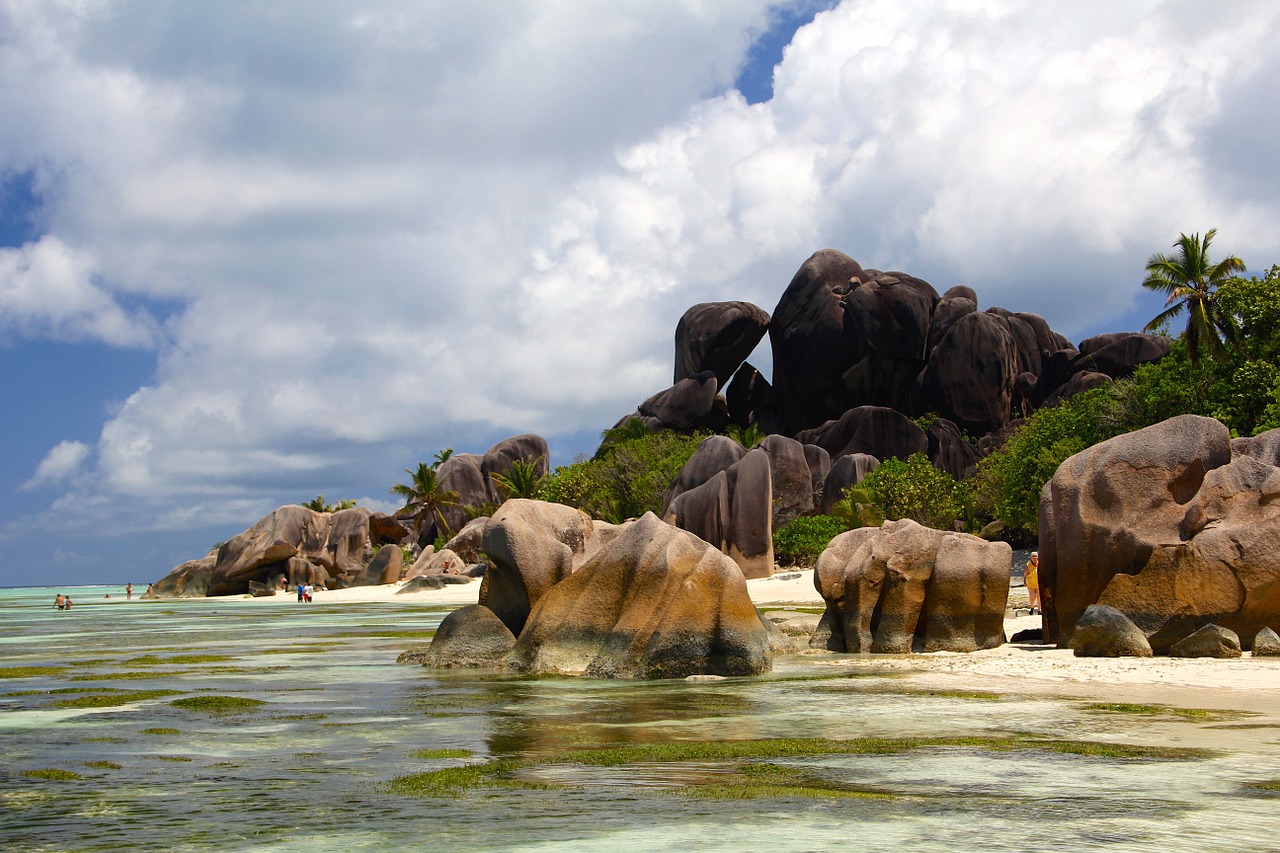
1211,641
471,636
848,470
1266,644
499,459
874,430
688,405
717,336
791,479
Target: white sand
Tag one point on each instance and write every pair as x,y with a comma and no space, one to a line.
1245,683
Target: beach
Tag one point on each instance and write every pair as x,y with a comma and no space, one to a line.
1241,684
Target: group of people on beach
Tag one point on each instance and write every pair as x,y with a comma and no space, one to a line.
62,602
304,593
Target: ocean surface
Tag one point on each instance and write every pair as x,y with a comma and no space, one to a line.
95,756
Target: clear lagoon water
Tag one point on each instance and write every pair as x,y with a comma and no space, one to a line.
94,755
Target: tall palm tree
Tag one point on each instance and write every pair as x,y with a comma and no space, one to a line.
426,497
1190,281
521,481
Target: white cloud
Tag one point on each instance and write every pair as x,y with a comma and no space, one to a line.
47,289
388,229
62,463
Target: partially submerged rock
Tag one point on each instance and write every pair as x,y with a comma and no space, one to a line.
656,602
471,636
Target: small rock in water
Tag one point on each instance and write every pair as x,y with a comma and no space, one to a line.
705,677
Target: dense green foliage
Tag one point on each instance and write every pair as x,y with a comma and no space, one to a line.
627,477
425,496
913,488
318,504
801,541
522,481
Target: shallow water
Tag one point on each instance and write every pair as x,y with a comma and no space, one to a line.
308,770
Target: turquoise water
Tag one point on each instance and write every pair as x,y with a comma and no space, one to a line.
309,769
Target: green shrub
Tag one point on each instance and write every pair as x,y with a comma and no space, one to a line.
913,488
801,541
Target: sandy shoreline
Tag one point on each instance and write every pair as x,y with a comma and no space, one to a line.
1244,684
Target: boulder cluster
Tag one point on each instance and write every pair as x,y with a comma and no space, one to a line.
858,353
1165,540
572,596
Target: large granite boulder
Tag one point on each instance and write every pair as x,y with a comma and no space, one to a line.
1118,354
812,348
384,568
717,336
790,478
1266,644
471,636
656,602
875,430
750,399
969,377
848,470
889,317
468,542
388,529
533,545
903,587
345,545
1165,526
733,512
188,580
289,531
950,451
500,459
1104,632
714,454
461,473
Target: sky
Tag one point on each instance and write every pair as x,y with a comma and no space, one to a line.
251,253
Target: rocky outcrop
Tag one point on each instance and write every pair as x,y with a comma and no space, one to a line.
733,511
533,545
1165,526
656,602
388,530
290,531
468,543
790,478
714,454
471,636
875,430
903,587
188,580
1104,632
717,336
463,474
969,377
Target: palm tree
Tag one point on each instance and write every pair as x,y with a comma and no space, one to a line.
1190,281
425,496
522,481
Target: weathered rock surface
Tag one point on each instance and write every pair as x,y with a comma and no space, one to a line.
461,473
969,377
656,602
714,454
471,636
289,531
848,470
790,478
533,545
717,336
500,459
1211,641
1104,632
468,543
903,587
387,529
384,568
875,430
188,580
1266,644
1166,527
733,511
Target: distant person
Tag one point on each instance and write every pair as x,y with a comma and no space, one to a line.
302,591
1032,579
68,603
306,593
59,602
128,592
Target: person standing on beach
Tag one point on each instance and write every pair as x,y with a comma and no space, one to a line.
59,602
128,592
1032,579
302,590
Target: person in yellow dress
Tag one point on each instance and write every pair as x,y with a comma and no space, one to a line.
1032,579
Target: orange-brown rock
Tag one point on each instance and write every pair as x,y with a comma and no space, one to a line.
1165,526
903,587
533,545
655,602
